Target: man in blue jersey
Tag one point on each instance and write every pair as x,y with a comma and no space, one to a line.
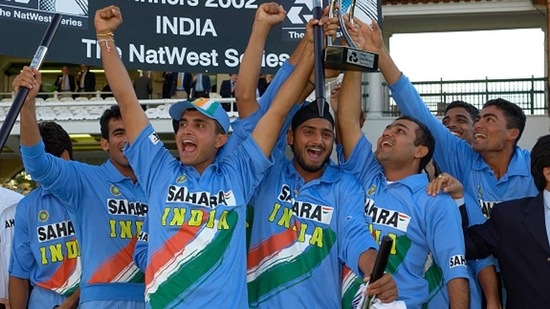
459,119
308,219
426,230
105,203
306,215
194,235
46,255
494,168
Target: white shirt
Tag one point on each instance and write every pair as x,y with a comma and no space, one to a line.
82,77
8,201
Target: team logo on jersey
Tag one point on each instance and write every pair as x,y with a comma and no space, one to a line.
371,190
123,207
182,178
43,216
390,218
313,212
154,138
306,210
55,231
181,194
115,190
457,260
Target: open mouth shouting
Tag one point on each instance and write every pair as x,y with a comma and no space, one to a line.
188,146
315,153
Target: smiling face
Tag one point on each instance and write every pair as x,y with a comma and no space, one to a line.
460,123
396,147
491,133
115,143
311,143
197,140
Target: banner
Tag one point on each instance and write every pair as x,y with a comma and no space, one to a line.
160,35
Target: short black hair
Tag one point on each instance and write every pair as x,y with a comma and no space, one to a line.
472,110
112,112
175,125
540,158
55,138
515,117
424,137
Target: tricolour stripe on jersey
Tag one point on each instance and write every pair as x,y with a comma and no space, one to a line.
270,246
119,268
350,286
402,246
197,255
282,268
65,279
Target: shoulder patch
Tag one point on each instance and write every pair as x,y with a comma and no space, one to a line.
154,138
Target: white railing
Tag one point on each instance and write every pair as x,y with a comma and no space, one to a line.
82,108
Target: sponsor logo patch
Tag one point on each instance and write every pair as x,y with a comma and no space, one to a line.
154,138
457,260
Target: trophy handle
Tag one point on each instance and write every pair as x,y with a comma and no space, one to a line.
344,31
352,11
349,58
333,10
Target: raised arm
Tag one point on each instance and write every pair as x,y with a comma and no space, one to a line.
266,131
106,21
451,154
267,16
373,41
349,103
31,79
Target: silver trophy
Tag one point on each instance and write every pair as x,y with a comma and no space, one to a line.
351,58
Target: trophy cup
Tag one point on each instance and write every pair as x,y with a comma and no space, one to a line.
350,58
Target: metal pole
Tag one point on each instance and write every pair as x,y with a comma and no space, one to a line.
22,93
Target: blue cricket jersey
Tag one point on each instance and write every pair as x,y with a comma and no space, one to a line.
457,158
193,247
46,251
423,228
301,234
107,210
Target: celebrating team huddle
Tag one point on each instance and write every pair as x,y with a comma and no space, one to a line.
241,220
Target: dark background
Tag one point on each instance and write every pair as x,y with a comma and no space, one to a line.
21,37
